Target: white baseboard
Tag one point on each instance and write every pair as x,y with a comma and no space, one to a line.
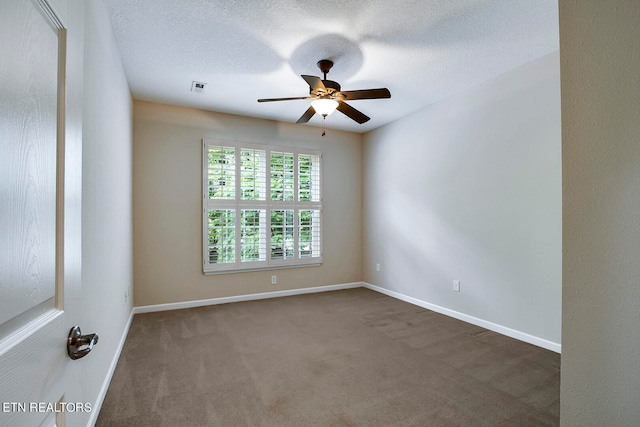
522,336
239,298
95,410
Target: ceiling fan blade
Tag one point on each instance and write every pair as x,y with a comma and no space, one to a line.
352,113
283,99
365,94
307,115
314,82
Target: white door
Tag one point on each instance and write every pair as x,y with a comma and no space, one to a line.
40,183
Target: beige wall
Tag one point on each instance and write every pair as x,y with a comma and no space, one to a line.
167,204
600,63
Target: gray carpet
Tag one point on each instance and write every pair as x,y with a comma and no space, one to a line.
344,358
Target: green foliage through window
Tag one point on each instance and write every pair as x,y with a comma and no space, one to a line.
282,237
252,224
282,176
222,237
222,172
252,174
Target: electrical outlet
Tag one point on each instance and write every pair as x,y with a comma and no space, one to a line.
198,87
274,280
456,286
377,266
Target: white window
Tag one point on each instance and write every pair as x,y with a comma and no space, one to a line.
262,207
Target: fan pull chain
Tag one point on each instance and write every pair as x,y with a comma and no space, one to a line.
324,116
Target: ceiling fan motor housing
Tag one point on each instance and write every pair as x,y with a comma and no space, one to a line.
331,88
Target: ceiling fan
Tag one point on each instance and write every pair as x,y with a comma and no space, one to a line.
327,96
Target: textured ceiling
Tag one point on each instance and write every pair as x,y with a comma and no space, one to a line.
422,50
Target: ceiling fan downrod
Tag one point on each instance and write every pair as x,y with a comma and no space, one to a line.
325,65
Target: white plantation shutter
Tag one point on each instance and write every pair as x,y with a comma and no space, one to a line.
262,207
253,235
309,178
282,176
282,234
221,172
221,239
309,233
253,174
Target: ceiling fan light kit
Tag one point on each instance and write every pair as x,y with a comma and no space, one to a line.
325,106
327,96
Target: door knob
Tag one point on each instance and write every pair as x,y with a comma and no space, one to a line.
79,345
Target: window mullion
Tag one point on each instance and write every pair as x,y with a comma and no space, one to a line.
296,201
268,204
268,177
238,174
238,236
296,172
296,234
268,233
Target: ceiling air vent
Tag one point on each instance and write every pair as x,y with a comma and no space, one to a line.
198,87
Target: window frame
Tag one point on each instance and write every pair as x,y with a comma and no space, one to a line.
237,204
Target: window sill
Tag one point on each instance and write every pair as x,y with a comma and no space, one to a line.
316,263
